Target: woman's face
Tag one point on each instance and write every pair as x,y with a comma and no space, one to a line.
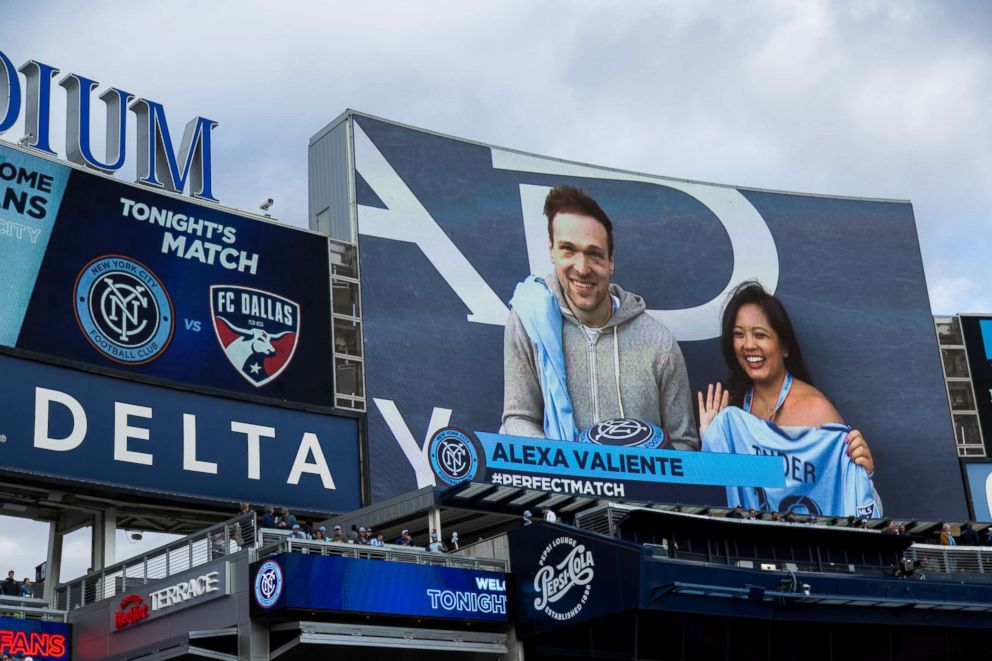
757,346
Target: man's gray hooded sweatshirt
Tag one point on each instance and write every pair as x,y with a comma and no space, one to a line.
632,367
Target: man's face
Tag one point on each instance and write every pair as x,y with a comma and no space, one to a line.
580,252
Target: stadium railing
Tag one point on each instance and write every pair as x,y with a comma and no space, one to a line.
278,541
29,608
181,555
950,559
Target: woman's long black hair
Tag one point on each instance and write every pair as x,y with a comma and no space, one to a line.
752,292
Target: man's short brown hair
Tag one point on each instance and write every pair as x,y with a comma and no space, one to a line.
569,199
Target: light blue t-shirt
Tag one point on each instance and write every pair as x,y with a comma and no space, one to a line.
820,478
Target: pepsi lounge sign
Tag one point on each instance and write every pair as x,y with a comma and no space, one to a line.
158,163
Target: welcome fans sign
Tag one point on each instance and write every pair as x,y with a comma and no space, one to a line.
447,228
128,281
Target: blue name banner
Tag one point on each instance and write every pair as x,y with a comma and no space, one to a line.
85,429
350,585
590,469
158,288
587,460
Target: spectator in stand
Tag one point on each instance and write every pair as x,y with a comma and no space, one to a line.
377,541
297,532
269,518
454,541
811,520
244,508
752,515
549,515
901,530
338,535
776,517
26,589
968,535
363,536
790,517
436,545
527,519
321,534
946,538
404,539
286,520
10,587
890,528
864,524
737,513
988,536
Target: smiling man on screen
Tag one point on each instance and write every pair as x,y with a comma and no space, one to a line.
579,350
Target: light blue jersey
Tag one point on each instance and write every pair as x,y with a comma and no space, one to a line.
819,476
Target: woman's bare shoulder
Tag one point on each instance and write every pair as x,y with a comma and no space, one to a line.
812,405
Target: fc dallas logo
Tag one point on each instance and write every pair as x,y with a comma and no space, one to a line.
257,330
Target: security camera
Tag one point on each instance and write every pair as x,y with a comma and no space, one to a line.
28,137
264,206
136,535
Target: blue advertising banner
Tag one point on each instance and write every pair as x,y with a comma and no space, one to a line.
352,585
590,469
447,228
127,280
42,641
87,429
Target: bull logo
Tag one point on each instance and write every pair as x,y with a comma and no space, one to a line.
257,330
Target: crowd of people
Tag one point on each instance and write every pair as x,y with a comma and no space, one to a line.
362,535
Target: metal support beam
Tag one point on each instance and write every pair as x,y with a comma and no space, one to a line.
53,562
103,545
434,521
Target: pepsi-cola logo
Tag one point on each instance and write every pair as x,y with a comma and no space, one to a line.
627,432
257,330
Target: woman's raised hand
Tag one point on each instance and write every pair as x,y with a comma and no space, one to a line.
715,401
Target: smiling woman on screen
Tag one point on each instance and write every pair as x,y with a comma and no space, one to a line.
770,407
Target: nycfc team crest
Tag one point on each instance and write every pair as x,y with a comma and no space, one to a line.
257,330
628,432
453,456
268,584
123,310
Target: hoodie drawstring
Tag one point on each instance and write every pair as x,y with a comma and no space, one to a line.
616,368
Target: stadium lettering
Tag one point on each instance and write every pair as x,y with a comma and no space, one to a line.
48,645
191,589
467,602
309,455
158,163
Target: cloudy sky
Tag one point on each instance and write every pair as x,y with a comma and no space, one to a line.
866,98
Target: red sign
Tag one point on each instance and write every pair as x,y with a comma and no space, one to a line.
133,609
33,643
